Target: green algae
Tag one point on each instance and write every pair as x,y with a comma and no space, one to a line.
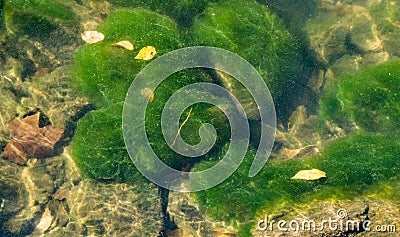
256,34
288,10
98,146
36,18
200,114
104,72
367,98
354,165
364,163
182,11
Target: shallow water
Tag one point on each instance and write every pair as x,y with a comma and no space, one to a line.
330,68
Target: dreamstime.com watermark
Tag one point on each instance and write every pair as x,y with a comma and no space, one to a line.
339,223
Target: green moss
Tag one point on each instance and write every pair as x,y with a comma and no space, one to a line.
289,11
359,161
238,197
253,32
36,18
104,72
201,113
53,9
368,98
354,165
98,146
183,11
362,163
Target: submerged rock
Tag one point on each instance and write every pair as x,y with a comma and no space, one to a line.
301,138
39,34
350,35
364,100
252,31
49,197
113,210
347,219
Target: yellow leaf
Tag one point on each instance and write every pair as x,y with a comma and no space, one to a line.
126,44
92,37
146,53
312,174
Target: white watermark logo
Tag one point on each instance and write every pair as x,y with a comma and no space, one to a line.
133,119
340,223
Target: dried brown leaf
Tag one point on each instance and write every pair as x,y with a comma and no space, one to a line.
28,140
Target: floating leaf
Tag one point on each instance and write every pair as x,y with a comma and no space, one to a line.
126,44
146,53
92,37
148,93
312,174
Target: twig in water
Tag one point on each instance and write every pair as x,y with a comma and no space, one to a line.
180,127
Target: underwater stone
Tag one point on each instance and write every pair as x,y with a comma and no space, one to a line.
98,147
354,29
106,209
357,210
104,73
88,207
367,99
253,32
54,96
8,109
27,190
36,18
39,34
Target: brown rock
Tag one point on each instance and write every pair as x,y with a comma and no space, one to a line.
28,140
